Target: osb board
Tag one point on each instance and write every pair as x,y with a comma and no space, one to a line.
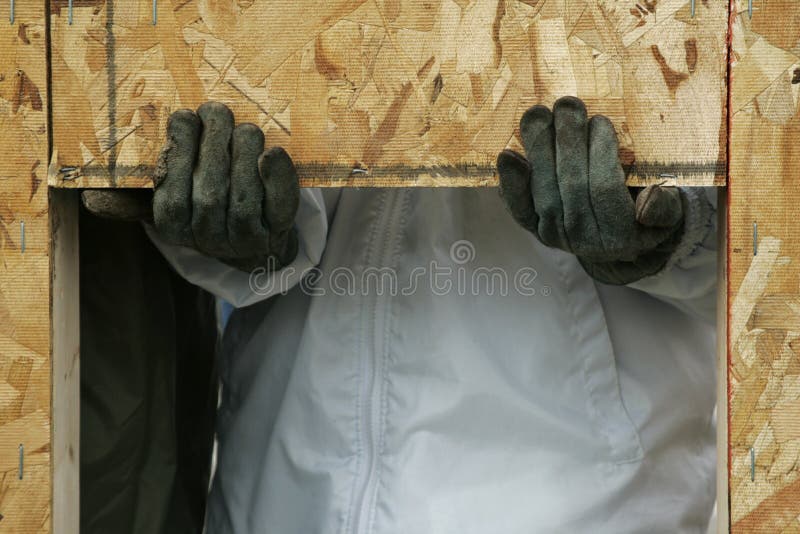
764,320
389,92
24,274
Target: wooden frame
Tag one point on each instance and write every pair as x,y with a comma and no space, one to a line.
390,92
763,273
39,374
758,138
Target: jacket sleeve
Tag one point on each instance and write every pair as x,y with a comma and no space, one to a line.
243,289
689,280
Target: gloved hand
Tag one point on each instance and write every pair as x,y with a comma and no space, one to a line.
217,191
570,193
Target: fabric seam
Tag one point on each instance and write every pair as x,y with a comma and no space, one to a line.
384,375
359,367
594,402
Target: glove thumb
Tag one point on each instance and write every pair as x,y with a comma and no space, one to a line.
515,189
659,207
119,204
281,188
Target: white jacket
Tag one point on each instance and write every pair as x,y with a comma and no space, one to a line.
519,397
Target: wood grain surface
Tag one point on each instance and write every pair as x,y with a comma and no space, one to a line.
764,270
25,400
389,92
417,92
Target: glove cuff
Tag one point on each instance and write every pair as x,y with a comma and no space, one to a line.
699,222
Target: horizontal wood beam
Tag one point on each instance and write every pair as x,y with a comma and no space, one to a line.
390,93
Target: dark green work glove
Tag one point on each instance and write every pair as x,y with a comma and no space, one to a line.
218,191
570,193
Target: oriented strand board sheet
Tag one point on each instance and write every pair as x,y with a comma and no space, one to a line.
24,274
389,92
764,283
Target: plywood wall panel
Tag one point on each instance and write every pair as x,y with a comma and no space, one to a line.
389,92
24,274
764,270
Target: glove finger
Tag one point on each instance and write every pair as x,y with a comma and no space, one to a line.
611,199
281,200
572,168
119,204
172,199
538,137
247,232
211,181
659,207
515,189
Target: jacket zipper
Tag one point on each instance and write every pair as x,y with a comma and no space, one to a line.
372,391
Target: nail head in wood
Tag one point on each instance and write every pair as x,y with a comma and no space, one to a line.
755,239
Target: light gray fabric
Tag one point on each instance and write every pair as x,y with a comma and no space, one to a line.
240,288
560,406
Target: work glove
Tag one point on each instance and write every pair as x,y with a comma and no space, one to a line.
570,193
217,191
